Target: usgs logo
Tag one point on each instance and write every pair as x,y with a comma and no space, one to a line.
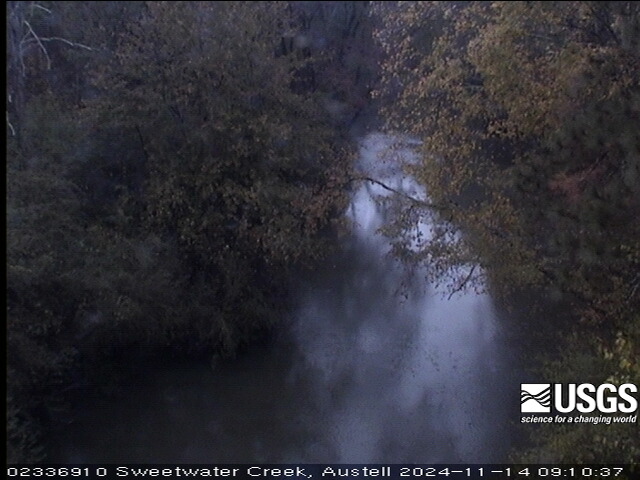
583,397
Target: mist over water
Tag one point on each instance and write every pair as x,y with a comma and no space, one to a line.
372,368
411,376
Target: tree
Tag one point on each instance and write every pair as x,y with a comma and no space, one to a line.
161,187
529,113
336,39
239,167
38,50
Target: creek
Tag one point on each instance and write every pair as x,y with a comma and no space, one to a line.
374,366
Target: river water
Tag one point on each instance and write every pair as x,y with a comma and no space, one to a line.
373,367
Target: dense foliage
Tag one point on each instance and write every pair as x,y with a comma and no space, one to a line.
529,113
169,163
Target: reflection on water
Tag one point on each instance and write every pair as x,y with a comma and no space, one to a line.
368,372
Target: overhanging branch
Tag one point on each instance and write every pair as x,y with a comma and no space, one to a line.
463,283
415,201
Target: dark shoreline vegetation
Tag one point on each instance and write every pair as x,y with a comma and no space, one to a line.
171,165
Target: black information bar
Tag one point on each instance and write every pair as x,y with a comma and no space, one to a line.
325,471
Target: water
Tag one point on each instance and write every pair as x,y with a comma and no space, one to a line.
371,369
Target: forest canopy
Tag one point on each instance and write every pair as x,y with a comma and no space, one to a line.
529,117
170,164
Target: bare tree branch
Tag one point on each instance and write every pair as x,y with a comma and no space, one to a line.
463,283
37,39
13,130
64,40
35,5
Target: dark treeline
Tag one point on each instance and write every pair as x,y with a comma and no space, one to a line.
170,164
